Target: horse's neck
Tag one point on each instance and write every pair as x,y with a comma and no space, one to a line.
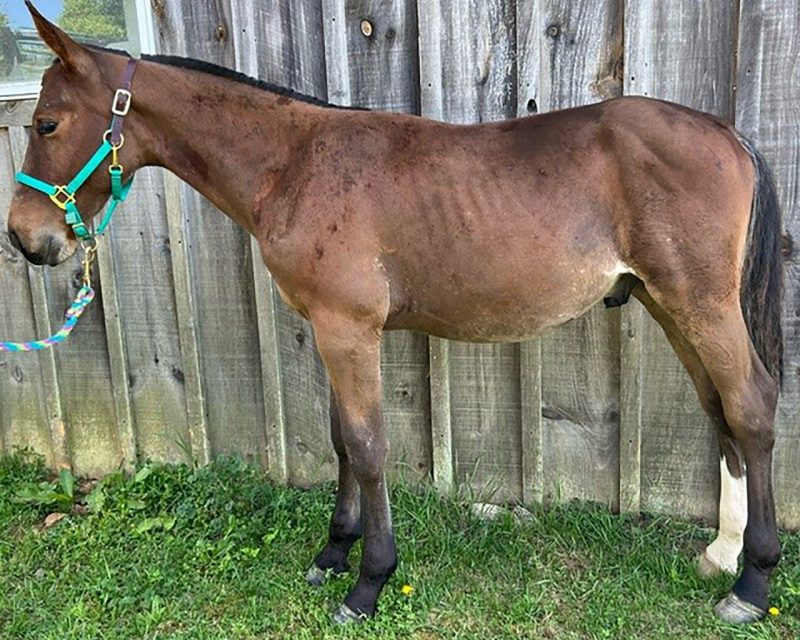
221,136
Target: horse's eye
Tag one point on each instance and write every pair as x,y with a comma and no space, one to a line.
46,127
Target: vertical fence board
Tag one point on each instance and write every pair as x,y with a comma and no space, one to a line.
569,55
684,52
768,112
156,373
195,444
219,250
630,408
431,105
248,55
532,441
117,357
467,66
41,312
24,416
380,70
283,43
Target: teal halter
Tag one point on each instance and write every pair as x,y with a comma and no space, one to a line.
63,196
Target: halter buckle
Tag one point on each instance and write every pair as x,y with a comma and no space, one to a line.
61,190
122,102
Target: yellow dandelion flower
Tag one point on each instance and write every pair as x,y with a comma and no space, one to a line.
774,611
407,590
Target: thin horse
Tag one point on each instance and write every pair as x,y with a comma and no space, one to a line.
374,221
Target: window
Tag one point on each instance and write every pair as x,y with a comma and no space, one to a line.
118,24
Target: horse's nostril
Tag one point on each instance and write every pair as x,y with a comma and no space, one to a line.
14,238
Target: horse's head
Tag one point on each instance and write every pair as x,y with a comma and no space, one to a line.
69,122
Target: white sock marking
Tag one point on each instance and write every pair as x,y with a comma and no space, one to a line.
724,551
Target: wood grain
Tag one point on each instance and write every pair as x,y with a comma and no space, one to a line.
142,250
24,417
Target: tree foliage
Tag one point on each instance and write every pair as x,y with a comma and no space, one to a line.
103,20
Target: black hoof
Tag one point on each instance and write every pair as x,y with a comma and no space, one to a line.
345,615
735,610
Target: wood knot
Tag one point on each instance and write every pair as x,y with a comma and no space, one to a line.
787,246
367,29
221,34
159,8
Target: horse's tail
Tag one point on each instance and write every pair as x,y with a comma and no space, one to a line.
762,271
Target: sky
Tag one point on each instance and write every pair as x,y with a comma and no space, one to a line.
18,15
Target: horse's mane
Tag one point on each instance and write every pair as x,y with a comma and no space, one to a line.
230,74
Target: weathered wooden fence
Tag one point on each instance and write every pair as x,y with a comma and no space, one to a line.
191,353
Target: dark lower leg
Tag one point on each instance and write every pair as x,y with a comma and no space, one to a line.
761,545
345,525
750,414
379,559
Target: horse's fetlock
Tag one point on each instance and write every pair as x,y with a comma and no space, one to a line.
768,555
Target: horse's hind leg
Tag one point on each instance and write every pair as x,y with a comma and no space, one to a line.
345,525
717,332
723,553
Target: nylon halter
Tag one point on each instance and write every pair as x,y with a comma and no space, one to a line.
63,195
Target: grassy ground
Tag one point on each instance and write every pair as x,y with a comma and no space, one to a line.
220,553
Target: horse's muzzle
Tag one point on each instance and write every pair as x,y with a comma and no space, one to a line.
48,254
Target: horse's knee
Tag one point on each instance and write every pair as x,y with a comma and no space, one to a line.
750,413
367,450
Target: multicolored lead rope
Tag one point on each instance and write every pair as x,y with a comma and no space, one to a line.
72,315
85,296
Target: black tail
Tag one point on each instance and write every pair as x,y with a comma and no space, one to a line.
762,272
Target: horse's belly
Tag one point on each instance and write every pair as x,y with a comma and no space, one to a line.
529,304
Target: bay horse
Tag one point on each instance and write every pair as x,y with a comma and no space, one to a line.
373,221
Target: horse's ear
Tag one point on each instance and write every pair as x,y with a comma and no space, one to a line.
72,55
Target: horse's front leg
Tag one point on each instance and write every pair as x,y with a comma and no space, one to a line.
345,525
350,350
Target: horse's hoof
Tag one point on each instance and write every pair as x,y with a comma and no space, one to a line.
345,615
735,610
316,577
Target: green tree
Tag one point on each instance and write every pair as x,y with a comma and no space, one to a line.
8,47
103,20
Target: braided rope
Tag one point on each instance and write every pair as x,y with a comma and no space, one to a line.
84,297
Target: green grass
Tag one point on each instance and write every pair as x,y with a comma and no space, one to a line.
220,552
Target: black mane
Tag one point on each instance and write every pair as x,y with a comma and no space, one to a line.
230,74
